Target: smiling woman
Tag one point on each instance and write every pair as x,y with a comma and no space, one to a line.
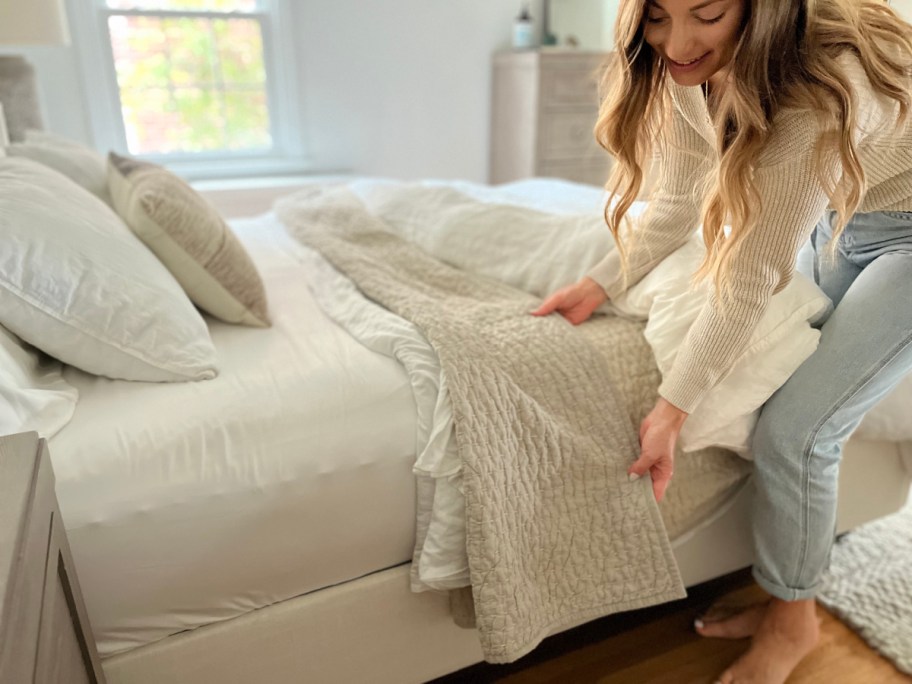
696,41
780,126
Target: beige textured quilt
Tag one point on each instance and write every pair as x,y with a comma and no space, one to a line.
556,534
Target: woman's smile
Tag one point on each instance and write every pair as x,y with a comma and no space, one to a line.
684,67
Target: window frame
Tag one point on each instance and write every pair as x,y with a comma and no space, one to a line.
92,40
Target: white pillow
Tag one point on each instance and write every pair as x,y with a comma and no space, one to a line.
33,393
77,162
782,340
77,284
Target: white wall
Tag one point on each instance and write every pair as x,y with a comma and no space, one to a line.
579,18
903,8
401,87
591,21
397,88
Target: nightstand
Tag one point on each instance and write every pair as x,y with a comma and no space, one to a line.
44,630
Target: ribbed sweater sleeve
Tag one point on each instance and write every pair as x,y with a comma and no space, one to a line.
791,203
673,212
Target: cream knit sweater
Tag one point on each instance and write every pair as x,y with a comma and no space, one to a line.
792,201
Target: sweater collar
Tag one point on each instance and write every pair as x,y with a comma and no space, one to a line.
689,100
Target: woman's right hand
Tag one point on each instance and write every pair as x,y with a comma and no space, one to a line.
574,302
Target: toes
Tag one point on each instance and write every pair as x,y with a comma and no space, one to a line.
738,626
712,629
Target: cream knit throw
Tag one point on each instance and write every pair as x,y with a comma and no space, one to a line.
556,534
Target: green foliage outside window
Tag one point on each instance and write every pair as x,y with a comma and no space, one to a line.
191,84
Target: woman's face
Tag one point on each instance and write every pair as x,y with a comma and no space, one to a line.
696,38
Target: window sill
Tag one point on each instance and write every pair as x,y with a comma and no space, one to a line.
243,168
252,196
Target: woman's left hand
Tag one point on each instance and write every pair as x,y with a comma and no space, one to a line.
658,435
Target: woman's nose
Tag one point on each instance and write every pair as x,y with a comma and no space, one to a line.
681,45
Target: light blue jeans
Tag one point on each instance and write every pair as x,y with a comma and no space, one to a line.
865,349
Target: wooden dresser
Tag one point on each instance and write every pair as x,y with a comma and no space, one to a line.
544,109
44,631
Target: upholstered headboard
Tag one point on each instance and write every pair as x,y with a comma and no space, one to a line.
19,96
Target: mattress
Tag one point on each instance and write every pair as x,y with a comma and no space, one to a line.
189,503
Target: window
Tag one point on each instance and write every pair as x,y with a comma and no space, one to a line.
202,85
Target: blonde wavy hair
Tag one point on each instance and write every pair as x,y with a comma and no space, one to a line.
786,56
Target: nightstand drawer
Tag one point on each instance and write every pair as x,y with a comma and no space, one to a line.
560,87
45,636
33,503
567,135
62,652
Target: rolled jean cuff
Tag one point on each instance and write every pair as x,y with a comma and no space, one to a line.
781,592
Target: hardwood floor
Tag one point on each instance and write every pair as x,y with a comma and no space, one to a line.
658,645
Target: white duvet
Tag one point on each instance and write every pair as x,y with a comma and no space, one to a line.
506,234
539,235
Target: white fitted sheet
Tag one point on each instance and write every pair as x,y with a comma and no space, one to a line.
188,503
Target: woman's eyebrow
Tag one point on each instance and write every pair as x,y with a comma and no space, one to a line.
692,9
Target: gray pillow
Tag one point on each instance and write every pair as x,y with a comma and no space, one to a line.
190,239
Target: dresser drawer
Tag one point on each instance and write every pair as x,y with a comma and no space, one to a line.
562,87
569,135
544,108
590,173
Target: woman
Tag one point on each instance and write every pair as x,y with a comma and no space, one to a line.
785,119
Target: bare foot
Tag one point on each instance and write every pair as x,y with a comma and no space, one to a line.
729,621
788,631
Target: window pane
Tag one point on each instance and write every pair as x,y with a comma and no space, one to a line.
191,5
191,85
247,125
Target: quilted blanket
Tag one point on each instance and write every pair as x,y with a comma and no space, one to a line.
555,532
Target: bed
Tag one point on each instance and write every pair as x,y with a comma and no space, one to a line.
262,525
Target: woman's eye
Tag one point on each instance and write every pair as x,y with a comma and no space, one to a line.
711,21
655,20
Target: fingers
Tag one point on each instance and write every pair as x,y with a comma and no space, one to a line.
660,486
571,302
577,314
660,481
644,426
549,305
660,470
639,467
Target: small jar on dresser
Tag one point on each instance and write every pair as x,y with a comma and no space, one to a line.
544,110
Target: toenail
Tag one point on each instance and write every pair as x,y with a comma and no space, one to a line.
698,623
